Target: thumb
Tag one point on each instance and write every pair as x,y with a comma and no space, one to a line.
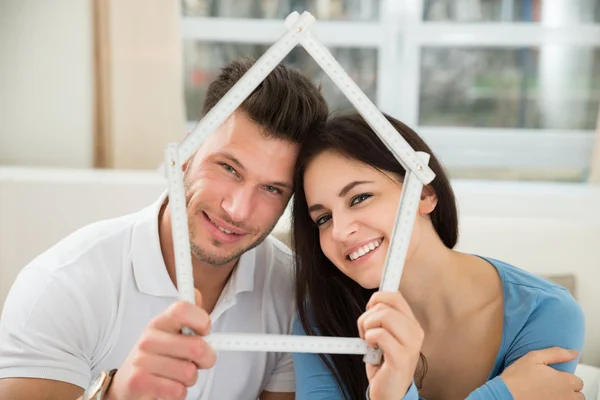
553,355
198,297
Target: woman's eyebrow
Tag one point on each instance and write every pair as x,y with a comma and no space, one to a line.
351,185
343,192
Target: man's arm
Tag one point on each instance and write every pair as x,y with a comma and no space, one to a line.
277,396
38,389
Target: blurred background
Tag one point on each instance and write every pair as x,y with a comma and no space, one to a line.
506,92
501,89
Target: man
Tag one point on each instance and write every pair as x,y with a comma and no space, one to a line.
105,297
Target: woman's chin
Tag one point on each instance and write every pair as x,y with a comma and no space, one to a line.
368,283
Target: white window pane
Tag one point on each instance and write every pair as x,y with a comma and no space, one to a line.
555,87
357,10
537,11
203,61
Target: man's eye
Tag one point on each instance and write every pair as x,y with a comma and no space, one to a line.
229,168
321,220
360,198
273,189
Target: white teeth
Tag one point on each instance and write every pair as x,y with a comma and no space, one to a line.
223,229
364,250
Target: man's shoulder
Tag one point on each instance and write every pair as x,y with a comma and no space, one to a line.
280,249
98,242
274,258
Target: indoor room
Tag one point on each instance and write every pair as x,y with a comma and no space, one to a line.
506,94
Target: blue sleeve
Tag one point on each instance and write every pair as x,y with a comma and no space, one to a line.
314,381
412,393
556,320
494,389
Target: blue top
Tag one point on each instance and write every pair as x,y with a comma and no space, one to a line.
537,314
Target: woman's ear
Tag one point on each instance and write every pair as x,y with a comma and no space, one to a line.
428,201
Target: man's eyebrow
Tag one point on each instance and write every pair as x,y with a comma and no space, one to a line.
282,184
233,160
237,162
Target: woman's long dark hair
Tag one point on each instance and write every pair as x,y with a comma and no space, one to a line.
329,303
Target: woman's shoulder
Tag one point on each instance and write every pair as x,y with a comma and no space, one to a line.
519,284
534,301
538,313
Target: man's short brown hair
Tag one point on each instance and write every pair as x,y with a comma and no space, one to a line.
286,104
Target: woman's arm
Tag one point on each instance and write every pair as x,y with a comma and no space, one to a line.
314,381
555,321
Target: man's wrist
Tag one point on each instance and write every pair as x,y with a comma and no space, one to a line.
99,387
110,394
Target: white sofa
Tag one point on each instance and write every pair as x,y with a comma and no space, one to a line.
547,229
591,381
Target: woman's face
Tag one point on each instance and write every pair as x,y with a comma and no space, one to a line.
354,206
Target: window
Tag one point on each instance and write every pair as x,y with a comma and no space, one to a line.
500,89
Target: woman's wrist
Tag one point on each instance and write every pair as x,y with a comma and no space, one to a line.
412,389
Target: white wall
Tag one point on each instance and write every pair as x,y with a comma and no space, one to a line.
543,228
46,82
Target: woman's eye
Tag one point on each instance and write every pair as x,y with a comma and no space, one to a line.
321,220
360,198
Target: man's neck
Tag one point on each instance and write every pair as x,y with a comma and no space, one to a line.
210,280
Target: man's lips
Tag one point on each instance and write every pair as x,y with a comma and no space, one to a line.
230,229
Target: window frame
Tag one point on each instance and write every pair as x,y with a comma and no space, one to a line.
399,36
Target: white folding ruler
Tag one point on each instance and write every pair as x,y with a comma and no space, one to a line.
418,174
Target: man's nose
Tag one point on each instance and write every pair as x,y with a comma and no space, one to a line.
238,204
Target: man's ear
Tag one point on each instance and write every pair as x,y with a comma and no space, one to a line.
428,201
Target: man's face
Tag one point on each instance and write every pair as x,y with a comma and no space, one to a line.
236,187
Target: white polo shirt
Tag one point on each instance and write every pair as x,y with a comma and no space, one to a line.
80,307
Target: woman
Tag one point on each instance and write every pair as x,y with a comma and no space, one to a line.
460,326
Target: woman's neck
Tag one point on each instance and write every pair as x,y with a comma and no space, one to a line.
441,285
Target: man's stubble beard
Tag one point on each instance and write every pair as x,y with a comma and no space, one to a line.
216,260
203,255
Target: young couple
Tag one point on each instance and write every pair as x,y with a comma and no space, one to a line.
96,316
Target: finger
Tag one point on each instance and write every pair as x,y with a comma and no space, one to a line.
361,320
377,308
174,345
392,299
182,314
576,381
552,355
182,371
579,396
406,331
395,354
166,389
572,381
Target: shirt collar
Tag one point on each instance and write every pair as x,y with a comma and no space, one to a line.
149,267
150,271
